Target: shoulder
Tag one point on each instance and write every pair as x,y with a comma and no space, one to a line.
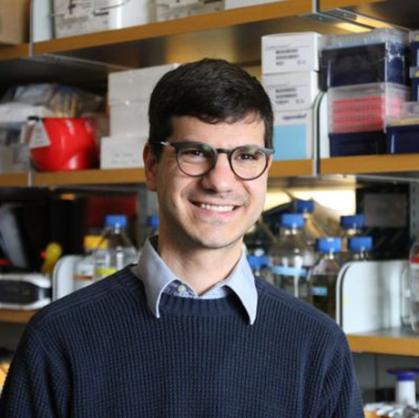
89,303
295,315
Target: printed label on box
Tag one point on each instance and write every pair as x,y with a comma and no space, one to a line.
39,137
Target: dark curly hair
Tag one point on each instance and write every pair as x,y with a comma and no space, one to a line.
211,90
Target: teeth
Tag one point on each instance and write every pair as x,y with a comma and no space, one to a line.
217,208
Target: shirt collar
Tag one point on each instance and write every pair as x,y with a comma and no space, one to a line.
156,276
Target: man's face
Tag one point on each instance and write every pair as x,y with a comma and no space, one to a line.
213,211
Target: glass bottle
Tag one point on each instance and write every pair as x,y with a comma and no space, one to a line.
259,263
290,257
351,225
119,252
360,247
324,275
85,268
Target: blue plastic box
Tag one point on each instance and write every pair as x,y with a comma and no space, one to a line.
403,139
378,56
359,143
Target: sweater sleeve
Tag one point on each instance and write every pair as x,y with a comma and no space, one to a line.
340,396
35,386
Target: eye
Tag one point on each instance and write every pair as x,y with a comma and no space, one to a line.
193,155
248,154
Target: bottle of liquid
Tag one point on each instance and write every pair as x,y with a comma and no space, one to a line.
119,252
351,226
360,247
85,268
259,263
324,275
405,386
290,257
153,224
410,291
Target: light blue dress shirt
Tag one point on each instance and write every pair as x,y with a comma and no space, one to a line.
158,279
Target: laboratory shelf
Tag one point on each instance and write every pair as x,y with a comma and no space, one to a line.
89,177
333,4
16,316
394,341
13,179
182,25
279,169
363,164
14,52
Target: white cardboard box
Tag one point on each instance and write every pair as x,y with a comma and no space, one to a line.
129,119
293,136
122,152
135,85
291,91
288,52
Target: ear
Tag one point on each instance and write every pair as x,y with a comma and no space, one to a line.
150,168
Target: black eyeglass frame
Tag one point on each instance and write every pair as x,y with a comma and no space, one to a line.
179,146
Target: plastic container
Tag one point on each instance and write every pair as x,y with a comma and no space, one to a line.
359,143
364,108
376,56
402,133
414,47
405,386
324,275
85,269
119,253
411,288
259,263
76,18
360,247
414,78
290,257
63,144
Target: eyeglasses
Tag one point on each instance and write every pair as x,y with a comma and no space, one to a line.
195,159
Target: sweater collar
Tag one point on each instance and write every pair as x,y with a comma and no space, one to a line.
156,277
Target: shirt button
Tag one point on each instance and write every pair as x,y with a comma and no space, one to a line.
182,289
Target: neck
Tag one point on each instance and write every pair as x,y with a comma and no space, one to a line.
200,268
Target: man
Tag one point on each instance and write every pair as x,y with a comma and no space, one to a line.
188,332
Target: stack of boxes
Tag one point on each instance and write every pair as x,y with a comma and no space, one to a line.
290,76
129,96
403,132
365,76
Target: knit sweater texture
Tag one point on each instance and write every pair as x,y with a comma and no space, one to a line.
101,353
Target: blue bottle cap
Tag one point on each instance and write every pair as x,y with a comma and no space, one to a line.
304,206
153,221
360,243
257,262
119,221
292,220
352,221
404,375
328,244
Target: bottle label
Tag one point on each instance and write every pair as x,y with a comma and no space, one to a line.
105,271
289,271
319,291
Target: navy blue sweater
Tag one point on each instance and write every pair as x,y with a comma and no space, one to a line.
100,353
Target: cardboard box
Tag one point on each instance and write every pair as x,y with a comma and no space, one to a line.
129,119
288,52
135,85
293,136
291,91
122,152
14,21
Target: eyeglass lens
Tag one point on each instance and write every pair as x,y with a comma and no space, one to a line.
246,162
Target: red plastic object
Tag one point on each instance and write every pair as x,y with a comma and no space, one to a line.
72,146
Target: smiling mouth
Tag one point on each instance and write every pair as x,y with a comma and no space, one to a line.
216,208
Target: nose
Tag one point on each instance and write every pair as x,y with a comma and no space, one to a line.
221,178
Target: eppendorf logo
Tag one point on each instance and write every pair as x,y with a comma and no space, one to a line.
297,116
